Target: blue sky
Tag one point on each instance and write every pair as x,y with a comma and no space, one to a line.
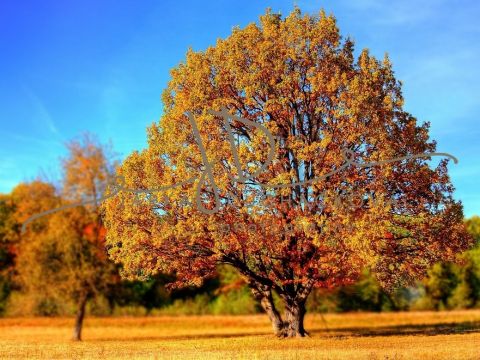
100,66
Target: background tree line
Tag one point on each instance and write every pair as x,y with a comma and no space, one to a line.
59,265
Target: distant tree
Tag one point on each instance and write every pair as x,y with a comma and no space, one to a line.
440,284
29,199
297,79
365,294
473,227
456,285
8,244
149,294
33,198
233,295
467,292
68,255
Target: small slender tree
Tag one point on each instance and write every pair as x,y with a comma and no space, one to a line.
67,254
296,218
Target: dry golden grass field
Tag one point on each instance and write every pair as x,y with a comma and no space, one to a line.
414,335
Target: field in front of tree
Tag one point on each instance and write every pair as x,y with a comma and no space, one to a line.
412,335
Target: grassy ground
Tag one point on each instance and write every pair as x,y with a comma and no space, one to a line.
421,335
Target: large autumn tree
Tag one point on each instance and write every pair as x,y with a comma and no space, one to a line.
312,213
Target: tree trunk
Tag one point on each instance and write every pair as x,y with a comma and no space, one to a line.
77,330
267,304
294,316
292,325
264,296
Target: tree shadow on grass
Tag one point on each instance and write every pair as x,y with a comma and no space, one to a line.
360,331
399,330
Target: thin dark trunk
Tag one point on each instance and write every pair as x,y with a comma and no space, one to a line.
77,330
111,305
